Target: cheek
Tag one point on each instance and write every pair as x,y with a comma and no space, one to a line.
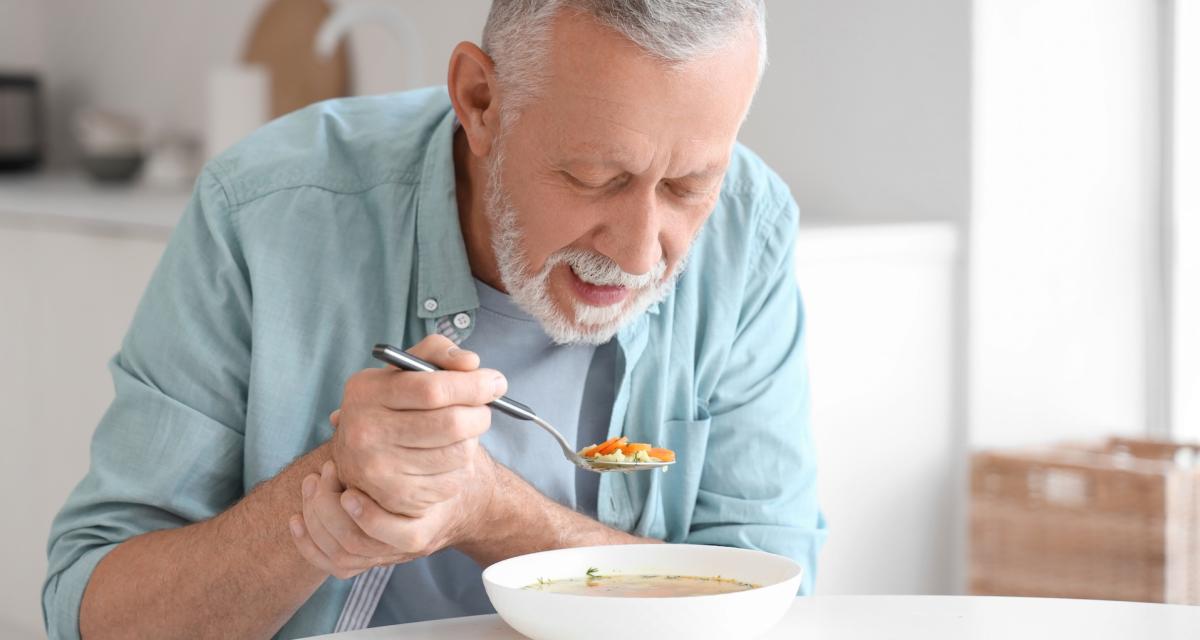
548,223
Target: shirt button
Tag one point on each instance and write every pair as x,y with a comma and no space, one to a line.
431,304
462,320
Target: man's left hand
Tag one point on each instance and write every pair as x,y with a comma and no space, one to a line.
344,532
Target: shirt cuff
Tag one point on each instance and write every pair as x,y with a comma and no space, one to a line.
63,594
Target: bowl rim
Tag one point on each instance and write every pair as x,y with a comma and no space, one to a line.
796,574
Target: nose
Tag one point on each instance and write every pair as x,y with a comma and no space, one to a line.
631,236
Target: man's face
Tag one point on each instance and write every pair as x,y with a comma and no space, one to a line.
597,192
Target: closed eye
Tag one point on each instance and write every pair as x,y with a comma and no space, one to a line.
594,184
690,192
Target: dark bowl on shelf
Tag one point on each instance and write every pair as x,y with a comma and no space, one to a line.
113,168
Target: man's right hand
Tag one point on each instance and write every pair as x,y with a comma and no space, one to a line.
410,440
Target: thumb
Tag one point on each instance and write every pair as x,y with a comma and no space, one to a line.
441,351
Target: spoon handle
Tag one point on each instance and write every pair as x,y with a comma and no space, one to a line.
407,361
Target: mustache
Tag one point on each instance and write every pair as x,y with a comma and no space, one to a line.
598,269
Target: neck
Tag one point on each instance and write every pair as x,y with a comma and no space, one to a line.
470,185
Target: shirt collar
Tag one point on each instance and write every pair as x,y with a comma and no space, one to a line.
444,282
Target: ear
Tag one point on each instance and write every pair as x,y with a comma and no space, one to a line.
471,80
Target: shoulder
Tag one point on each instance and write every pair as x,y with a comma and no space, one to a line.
754,223
345,145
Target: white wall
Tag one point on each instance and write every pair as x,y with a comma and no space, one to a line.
1063,219
864,107
1185,397
22,35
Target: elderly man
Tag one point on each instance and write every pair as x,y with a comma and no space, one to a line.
256,474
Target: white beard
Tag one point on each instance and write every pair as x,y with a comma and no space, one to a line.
591,324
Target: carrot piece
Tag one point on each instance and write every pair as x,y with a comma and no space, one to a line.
589,451
666,455
613,445
604,445
634,447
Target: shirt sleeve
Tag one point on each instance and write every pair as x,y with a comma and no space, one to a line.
168,451
758,486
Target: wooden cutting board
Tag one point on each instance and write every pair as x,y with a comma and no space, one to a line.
284,42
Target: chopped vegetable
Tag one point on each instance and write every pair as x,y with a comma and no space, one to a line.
666,455
622,450
613,446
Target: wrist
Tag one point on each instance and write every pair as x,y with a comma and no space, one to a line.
485,508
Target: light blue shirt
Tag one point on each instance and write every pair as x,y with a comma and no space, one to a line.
335,228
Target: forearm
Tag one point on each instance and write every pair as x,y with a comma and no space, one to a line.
237,575
521,520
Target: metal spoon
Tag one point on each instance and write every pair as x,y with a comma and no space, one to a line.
407,361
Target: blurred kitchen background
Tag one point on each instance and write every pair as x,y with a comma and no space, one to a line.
1000,253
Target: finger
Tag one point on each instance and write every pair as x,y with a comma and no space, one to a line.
409,536
404,390
314,556
316,527
382,429
307,548
338,523
441,351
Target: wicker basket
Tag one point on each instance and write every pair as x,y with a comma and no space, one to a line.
1119,520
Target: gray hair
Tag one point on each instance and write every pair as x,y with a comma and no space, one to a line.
517,33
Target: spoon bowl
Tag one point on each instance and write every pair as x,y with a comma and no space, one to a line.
504,404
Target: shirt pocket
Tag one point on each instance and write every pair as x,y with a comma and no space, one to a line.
671,496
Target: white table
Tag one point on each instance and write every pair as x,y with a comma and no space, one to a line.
900,618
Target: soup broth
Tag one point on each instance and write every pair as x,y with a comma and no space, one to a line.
642,586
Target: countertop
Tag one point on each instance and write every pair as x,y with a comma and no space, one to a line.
900,618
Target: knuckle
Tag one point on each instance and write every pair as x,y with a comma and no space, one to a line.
465,422
456,422
431,393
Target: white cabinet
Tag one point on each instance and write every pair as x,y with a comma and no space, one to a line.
882,316
68,288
